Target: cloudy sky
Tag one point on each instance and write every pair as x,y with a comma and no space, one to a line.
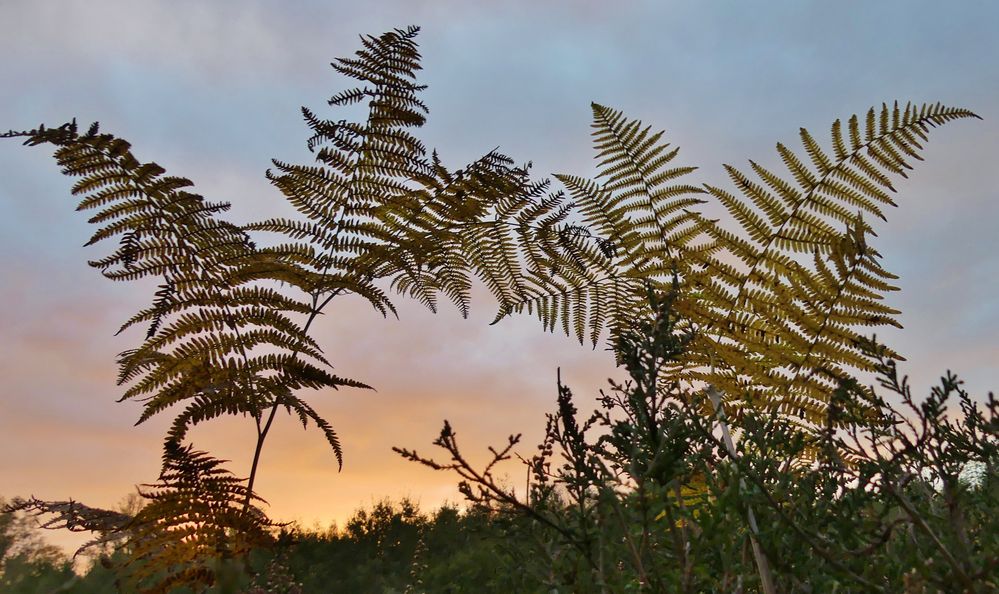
212,90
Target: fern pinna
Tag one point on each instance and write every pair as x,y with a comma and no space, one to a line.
779,305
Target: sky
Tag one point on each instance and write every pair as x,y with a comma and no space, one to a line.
212,91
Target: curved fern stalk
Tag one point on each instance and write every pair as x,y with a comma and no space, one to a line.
790,324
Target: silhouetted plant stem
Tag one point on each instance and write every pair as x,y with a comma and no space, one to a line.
777,507
262,431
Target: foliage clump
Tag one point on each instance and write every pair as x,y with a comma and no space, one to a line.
649,492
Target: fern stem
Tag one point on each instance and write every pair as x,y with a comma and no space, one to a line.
265,429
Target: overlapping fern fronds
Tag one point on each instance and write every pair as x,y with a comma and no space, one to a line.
194,520
788,315
379,207
223,339
776,306
639,229
780,303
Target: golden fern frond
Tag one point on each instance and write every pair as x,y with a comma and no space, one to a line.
168,303
306,413
637,228
473,223
362,179
379,208
855,177
813,309
774,327
216,342
634,171
164,229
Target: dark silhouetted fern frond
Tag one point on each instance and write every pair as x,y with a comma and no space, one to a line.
377,206
214,343
193,520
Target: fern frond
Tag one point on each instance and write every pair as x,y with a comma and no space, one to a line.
192,519
637,228
822,307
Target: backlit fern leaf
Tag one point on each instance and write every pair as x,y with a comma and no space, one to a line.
205,323
639,230
215,344
379,207
815,307
193,520
779,304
